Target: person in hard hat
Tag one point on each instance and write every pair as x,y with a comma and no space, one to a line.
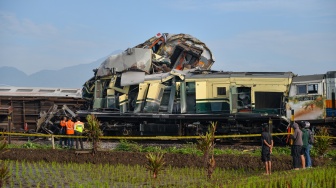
70,132
62,132
266,148
79,127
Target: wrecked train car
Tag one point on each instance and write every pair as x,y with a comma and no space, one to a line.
36,109
164,86
184,103
159,54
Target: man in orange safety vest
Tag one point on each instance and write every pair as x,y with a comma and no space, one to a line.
70,131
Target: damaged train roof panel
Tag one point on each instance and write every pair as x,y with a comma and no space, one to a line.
160,54
131,59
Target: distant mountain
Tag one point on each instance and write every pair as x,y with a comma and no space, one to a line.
11,76
68,77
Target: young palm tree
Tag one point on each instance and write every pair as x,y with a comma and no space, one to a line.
155,163
93,131
206,145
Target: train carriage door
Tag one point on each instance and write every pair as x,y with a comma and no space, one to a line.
154,97
233,99
202,98
98,95
141,98
191,97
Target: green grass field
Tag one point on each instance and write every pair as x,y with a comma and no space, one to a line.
43,174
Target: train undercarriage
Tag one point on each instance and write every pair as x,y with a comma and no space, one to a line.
142,124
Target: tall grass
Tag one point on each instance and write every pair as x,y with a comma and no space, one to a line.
4,169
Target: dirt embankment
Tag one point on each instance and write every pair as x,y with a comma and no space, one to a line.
226,161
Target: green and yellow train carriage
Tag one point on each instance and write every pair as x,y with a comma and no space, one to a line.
233,92
185,102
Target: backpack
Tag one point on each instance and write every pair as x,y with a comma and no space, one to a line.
311,137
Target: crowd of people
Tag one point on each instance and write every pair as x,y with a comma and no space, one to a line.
302,141
71,128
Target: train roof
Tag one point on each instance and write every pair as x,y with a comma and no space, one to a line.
304,78
220,74
331,74
40,92
200,74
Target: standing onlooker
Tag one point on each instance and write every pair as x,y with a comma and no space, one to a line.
70,131
297,146
79,127
266,148
62,132
307,142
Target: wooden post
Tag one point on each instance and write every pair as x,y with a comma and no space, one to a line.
53,141
9,128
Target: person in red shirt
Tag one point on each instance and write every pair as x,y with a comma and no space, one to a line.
62,132
70,131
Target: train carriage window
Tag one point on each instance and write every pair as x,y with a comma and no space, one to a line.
307,89
312,88
221,91
301,89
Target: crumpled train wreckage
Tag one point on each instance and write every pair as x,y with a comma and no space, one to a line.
162,57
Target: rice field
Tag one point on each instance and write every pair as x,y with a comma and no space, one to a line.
53,174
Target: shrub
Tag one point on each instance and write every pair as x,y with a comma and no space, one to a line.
322,141
29,145
152,149
189,148
125,145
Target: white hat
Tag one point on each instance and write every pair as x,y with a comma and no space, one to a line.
307,124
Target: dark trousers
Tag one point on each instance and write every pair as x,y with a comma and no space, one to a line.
296,154
80,140
62,139
70,141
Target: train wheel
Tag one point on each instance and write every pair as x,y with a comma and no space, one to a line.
126,132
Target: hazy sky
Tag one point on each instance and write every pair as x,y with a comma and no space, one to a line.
244,35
